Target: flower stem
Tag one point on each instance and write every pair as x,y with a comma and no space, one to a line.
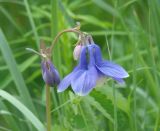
48,111
76,30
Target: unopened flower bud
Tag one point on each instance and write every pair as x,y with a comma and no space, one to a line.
77,51
49,73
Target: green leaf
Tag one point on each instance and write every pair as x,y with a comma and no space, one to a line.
3,112
16,75
92,20
122,102
105,104
108,8
93,101
23,109
27,63
12,21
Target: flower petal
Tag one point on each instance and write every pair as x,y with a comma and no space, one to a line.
84,81
119,80
78,69
78,80
83,59
65,82
55,74
112,70
90,49
97,54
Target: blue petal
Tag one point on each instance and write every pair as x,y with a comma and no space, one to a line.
113,70
91,55
119,80
81,66
46,74
64,84
55,74
78,78
97,54
84,81
83,59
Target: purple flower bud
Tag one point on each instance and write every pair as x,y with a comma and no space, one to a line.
49,73
77,51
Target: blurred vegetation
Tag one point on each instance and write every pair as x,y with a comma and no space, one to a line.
130,29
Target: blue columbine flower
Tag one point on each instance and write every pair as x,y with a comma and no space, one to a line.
90,69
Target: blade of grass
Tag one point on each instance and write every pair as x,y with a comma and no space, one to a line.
22,68
32,22
154,67
121,100
31,32
93,102
11,20
11,1
23,109
102,4
66,15
134,86
16,75
111,55
84,117
128,3
155,20
4,129
10,119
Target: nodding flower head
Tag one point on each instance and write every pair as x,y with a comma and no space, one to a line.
49,72
90,70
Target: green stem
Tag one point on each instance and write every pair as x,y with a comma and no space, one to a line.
115,107
60,33
84,118
48,111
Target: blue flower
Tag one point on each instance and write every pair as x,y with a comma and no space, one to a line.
90,69
49,73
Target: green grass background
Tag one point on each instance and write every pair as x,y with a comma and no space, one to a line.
129,29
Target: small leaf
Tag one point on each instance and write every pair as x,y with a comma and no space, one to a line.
99,107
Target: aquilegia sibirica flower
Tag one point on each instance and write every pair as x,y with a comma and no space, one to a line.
90,69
